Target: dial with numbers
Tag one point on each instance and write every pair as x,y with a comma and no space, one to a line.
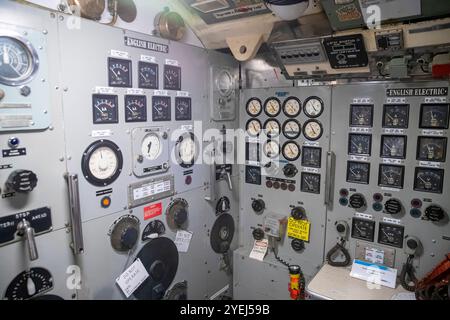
271,149
358,172
434,116
183,109
135,108
310,183
253,127
363,229
254,107
291,151
360,144
391,176
172,77
253,175
161,108
312,157
313,107
391,235
272,107
292,129
119,73
429,180
292,107
432,149
396,116
312,130
361,115
104,109
393,147
186,150
148,75
272,128
151,147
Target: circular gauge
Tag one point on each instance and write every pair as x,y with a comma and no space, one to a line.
253,127
186,150
291,151
254,107
271,149
18,60
102,163
292,107
313,130
151,146
272,107
272,128
313,107
292,129
225,83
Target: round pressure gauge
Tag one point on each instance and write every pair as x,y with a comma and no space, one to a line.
272,107
292,129
102,163
254,107
253,127
272,128
271,149
313,130
313,107
18,59
291,151
186,150
292,107
225,83
151,146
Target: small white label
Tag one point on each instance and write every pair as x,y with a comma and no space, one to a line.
187,127
151,189
101,133
390,189
362,100
182,94
119,54
430,164
393,131
363,215
148,58
310,170
259,249
359,158
373,273
360,130
182,240
135,91
374,255
439,133
435,100
172,62
160,93
311,144
393,161
395,100
132,278
104,90
392,221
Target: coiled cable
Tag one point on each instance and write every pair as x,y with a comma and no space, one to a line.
407,275
340,246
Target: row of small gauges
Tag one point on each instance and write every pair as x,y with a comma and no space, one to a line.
388,234
105,108
313,107
120,75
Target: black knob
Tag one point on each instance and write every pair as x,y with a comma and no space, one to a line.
297,245
290,170
298,213
22,181
412,244
258,234
357,201
393,206
180,216
434,213
340,227
258,205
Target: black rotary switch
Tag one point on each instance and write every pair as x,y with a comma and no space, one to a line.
258,205
129,238
298,213
22,181
290,170
177,213
258,234
180,216
357,201
393,206
297,245
434,213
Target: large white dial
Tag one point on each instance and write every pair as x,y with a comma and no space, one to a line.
313,107
151,146
103,163
254,127
291,151
187,150
272,128
271,149
312,130
272,107
292,107
254,107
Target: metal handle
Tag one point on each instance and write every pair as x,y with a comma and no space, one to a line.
230,184
212,175
75,214
329,183
25,230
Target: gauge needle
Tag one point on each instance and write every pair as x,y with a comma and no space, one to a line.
6,59
149,147
103,113
389,116
387,146
117,76
355,145
422,179
160,112
143,76
132,112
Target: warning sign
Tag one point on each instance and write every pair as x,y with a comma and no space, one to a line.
152,211
298,229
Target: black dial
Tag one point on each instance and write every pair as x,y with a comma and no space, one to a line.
432,149
292,129
310,183
391,176
312,157
396,116
154,229
363,229
358,172
28,284
434,116
360,144
172,77
361,115
135,108
253,175
104,109
148,75
429,180
391,235
393,147
161,109
183,109
119,73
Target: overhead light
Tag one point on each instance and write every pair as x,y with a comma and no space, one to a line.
288,9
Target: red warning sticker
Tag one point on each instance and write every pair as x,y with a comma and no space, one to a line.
152,211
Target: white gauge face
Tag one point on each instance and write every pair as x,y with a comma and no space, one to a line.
292,107
254,128
103,163
271,149
17,62
151,147
313,107
225,83
272,107
312,130
272,128
291,129
254,107
291,151
187,150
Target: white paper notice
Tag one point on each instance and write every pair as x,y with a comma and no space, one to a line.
259,249
374,273
132,278
182,240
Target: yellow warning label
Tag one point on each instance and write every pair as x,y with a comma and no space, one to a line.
298,229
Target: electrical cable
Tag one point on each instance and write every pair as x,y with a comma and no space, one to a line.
340,246
407,275
302,283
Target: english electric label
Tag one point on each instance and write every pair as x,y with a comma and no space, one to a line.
148,45
417,92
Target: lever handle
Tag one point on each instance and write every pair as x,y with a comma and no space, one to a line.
230,184
25,230
75,214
